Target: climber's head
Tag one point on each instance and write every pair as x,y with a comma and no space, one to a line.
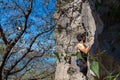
81,37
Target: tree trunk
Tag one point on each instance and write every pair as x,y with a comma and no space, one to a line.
73,18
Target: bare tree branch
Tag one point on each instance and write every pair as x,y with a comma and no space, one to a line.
22,11
25,72
6,70
12,67
25,23
25,64
2,35
8,49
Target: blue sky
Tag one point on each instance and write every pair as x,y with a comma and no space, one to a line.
40,18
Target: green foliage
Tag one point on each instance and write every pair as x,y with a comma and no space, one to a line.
58,1
97,5
110,76
79,56
115,78
94,66
57,55
2,47
73,54
31,71
118,39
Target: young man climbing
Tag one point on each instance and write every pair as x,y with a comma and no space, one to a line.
83,52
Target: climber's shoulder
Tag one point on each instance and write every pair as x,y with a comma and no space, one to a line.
80,46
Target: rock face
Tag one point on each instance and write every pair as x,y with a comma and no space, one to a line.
73,18
77,16
68,26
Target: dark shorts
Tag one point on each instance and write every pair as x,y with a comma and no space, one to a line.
82,64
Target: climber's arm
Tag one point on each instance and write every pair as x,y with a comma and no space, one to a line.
83,48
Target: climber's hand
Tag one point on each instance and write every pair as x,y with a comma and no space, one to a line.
91,41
